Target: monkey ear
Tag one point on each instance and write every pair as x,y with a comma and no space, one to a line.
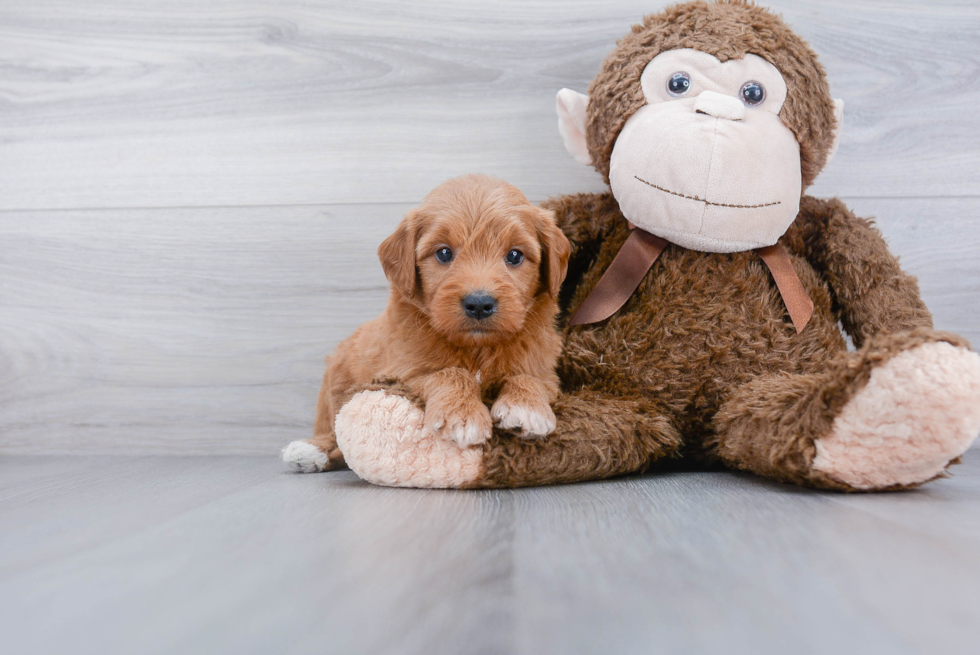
555,250
838,126
397,255
571,123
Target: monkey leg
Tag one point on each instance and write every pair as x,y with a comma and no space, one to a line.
381,434
894,415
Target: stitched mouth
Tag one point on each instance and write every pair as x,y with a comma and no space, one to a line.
705,201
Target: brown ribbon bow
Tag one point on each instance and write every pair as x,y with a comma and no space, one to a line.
642,249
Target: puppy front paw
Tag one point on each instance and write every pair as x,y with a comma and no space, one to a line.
466,423
532,420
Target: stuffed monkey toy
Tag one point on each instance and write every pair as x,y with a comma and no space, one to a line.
705,291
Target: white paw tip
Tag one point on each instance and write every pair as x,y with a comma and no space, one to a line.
304,456
531,422
468,433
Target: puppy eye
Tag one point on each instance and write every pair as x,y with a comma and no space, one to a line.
444,255
752,93
678,84
515,257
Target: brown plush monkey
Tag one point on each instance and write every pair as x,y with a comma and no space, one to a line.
713,336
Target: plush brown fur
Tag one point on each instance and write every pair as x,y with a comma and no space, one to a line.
705,349
703,363
424,338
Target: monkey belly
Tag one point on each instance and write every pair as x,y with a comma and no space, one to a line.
699,326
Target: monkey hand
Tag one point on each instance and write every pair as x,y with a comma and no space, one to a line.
384,440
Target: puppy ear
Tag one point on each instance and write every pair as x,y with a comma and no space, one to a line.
397,255
555,250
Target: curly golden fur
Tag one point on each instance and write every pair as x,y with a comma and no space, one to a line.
424,337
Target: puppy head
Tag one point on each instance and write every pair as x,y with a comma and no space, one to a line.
476,257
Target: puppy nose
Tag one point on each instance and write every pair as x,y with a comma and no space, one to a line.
719,105
479,305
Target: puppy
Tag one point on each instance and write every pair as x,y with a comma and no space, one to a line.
475,273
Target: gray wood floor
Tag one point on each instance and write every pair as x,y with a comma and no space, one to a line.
235,555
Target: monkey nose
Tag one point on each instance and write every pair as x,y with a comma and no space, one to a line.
719,105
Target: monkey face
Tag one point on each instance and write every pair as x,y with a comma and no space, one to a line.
707,163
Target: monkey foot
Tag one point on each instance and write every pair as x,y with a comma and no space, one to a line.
918,412
384,441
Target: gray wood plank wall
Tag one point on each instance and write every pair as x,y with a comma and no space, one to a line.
191,194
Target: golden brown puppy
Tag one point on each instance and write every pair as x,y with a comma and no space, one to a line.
475,273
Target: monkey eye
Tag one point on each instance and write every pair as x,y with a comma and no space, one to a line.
752,93
678,84
515,257
444,255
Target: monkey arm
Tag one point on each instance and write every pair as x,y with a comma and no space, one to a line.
586,219
597,436
872,294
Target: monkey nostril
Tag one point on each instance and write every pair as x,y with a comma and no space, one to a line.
479,305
